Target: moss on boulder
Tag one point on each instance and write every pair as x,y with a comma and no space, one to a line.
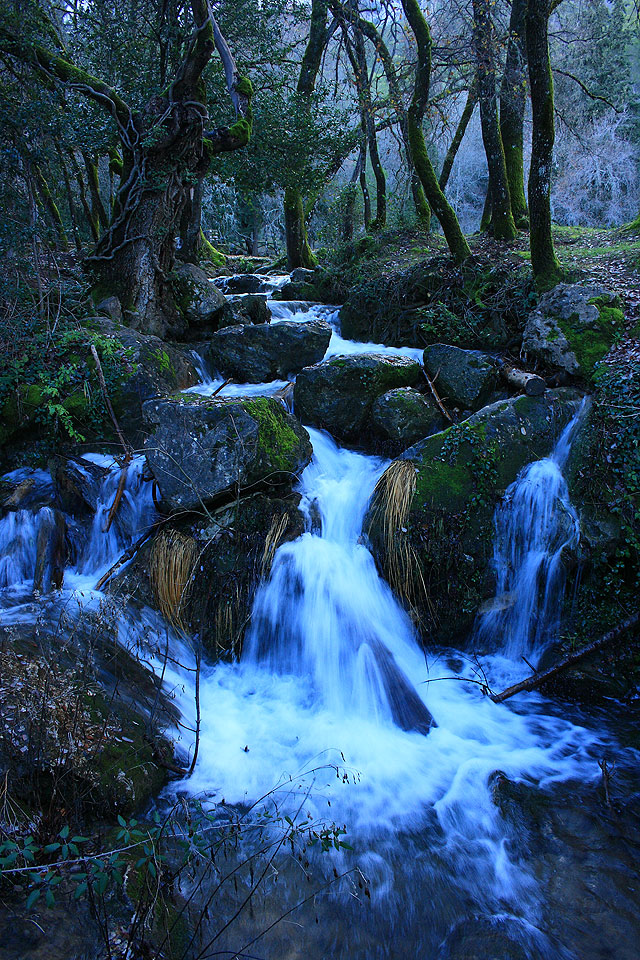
461,475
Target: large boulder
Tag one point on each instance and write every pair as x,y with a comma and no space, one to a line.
573,327
463,378
244,283
258,354
404,415
460,476
251,308
203,450
339,394
203,305
156,368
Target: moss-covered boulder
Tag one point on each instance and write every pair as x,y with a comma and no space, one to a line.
460,476
155,368
204,306
19,409
338,395
404,415
258,354
203,450
463,378
573,327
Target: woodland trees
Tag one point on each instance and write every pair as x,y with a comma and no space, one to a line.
123,125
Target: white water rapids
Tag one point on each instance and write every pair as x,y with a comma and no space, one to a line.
333,677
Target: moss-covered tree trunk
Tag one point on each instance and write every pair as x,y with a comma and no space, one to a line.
299,253
461,129
513,97
164,150
546,268
484,44
424,168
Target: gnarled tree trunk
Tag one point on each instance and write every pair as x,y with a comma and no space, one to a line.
513,97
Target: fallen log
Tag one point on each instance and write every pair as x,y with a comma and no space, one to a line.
530,383
537,679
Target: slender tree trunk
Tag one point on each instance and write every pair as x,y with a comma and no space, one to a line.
461,129
484,43
91,222
424,168
546,269
97,207
50,206
299,252
513,96
361,71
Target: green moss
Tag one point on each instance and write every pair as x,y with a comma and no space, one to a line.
278,441
443,482
163,361
591,344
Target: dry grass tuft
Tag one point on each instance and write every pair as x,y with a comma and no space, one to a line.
171,565
390,508
272,542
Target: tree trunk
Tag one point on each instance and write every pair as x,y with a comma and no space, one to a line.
461,129
546,269
361,72
484,40
513,95
424,168
299,253
298,250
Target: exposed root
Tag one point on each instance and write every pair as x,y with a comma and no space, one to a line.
171,564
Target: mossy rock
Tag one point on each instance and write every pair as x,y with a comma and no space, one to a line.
338,395
574,327
461,475
204,450
404,415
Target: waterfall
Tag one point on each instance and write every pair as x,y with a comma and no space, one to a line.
325,613
534,525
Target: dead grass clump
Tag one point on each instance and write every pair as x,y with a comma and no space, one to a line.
390,508
171,565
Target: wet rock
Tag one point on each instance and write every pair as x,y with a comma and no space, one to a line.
573,327
156,368
461,475
201,450
252,308
76,485
490,938
339,394
258,354
405,415
302,275
50,551
244,283
463,378
203,305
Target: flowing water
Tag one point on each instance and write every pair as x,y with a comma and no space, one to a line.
335,710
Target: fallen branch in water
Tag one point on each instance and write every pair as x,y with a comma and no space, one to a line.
531,683
443,410
128,554
128,452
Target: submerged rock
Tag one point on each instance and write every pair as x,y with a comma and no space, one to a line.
573,327
76,486
258,354
200,450
404,415
252,308
460,475
339,394
464,378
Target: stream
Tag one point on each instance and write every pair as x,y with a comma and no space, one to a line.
478,830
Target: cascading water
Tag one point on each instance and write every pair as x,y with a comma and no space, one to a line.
332,677
534,525
325,613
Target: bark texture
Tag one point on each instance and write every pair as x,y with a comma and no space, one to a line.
484,44
546,268
513,96
424,168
